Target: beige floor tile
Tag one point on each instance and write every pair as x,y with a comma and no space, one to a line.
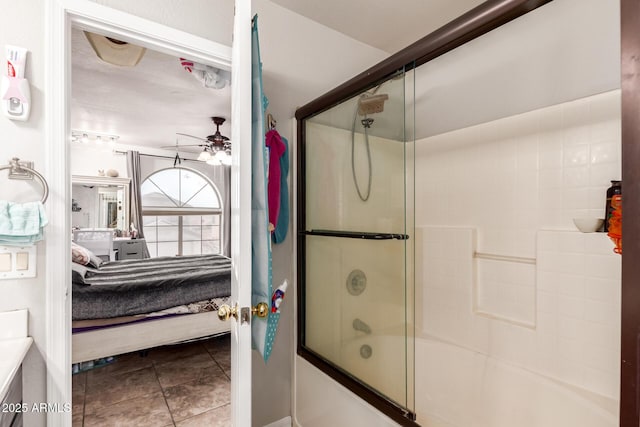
147,411
169,353
117,388
196,397
77,407
219,344
77,418
187,369
78,382
220,350
224,361
78,388
195,387
219,417
123,363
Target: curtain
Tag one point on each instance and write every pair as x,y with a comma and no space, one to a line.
222,178
135,205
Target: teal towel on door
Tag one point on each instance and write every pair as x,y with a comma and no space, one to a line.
260,236
21,223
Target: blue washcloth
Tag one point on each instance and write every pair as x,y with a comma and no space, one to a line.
21,223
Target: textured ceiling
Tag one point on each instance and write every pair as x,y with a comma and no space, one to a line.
145,105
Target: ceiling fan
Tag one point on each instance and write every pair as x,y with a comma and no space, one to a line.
216,147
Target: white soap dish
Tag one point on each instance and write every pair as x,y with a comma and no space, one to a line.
588,225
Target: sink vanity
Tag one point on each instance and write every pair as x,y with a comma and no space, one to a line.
14,345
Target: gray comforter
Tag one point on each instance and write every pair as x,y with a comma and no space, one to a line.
129,287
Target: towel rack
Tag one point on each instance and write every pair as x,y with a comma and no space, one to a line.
16,168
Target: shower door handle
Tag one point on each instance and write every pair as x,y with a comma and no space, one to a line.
225,312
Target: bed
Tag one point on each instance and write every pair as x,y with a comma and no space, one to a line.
130,305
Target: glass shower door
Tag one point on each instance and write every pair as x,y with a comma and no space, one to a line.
356,243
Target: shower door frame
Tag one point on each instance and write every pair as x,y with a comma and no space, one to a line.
630,110
478,21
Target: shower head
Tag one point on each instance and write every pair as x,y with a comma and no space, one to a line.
370,104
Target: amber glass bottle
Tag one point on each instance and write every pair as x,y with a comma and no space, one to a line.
616,188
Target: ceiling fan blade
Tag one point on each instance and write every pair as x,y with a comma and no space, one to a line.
191,136
174,147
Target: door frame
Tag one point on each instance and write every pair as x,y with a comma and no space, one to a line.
630,301
60,17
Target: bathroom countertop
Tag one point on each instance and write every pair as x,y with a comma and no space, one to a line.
13,351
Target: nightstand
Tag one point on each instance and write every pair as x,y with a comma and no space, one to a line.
128,248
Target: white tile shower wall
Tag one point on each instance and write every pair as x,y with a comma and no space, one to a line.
506,290
579,307
513,176
445,287
508,179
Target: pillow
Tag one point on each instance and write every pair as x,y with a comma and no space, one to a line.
83,256
94,260
79,254
78,273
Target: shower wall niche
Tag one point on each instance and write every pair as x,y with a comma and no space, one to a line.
355,239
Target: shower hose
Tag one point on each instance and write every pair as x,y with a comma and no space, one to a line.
353,161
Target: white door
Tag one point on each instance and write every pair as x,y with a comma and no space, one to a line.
241,214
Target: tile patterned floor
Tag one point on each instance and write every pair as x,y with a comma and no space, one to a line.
185,385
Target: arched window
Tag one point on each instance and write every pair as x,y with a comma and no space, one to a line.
182,213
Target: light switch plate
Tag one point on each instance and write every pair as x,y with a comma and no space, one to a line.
22,262
5,262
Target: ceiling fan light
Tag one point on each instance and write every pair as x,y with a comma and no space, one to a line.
220,156
227,160
204,156
213,161
85,138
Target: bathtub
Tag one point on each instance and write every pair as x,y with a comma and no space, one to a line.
457,387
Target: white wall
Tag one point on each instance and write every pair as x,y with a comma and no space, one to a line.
21,24
211,20
88,160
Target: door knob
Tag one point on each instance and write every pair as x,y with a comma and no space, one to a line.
261,310
225,312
